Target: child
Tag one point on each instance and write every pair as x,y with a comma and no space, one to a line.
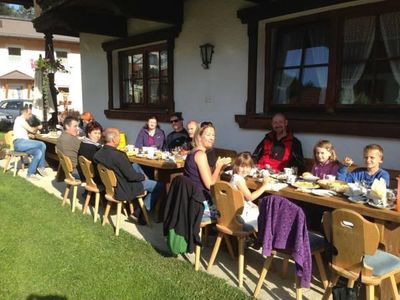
325,162
241,168
373,157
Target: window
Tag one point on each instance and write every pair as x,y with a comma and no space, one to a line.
13,51
63,56
144,81
364,73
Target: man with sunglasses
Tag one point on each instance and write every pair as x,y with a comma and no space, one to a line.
179,135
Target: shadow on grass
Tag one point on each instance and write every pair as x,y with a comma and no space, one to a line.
46,297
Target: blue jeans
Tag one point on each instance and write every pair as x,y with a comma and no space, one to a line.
153,188
35,148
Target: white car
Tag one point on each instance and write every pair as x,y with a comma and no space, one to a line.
6,118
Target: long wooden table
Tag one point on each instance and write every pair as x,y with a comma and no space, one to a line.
50,142
164,170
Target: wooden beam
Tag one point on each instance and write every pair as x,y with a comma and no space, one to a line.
268,10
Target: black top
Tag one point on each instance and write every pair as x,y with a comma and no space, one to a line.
129,183
177,139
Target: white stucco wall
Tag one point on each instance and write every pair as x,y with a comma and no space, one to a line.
216,94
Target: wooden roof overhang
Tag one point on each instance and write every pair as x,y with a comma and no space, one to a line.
104,17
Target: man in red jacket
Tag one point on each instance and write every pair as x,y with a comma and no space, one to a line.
279,149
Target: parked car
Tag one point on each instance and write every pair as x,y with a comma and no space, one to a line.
12,107
5,118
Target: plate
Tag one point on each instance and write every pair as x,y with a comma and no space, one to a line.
357,199
320,192
371,202
334,185
305,185
310,178
279,176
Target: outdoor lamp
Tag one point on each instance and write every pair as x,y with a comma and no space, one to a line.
206,52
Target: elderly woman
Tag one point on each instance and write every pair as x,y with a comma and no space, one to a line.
151,135
197,167
90,144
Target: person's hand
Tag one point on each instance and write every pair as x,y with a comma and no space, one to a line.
267,183
347,161
39,127
223,161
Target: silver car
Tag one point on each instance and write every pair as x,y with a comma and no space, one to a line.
12,107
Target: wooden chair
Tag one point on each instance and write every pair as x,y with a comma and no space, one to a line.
356,241
69,180
91,187
11,154
197,253
229,203
316,248
110,182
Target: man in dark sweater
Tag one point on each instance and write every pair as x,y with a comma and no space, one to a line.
179,135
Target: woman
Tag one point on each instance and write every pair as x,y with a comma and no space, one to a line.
90,144
196,164
151,135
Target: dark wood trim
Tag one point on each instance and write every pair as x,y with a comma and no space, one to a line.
381,126
141,39
162,115
110,80
252,32
170,51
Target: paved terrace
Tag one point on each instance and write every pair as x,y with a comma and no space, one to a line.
274,287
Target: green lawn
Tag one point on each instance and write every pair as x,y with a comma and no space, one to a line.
45,250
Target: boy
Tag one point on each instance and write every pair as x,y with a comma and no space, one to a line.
373,157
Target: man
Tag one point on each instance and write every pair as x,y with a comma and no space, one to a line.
279,149
131,182
68,143
179,136
22,143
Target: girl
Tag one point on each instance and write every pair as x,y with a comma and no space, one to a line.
241,168
325,162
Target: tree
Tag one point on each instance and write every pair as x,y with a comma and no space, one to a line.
6,10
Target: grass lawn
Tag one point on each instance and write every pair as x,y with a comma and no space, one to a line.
47,251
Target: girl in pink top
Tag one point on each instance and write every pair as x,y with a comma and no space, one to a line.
325,162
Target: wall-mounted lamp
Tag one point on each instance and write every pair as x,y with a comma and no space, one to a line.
206,52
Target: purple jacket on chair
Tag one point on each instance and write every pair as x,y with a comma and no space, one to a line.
282,225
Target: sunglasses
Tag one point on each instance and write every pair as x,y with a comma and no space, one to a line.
203,124
174,121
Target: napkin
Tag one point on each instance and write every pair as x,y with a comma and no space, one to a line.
378,190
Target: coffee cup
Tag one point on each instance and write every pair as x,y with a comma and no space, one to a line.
288,171
330,177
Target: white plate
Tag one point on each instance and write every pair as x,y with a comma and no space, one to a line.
373,204
321,192
350,194
357,199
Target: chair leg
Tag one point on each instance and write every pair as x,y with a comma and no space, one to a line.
229,246
96,206
215,250
106,212
7,162
321,269
15,165
328,290
197,254
87,200
22,163
285,267
395,292
66,193
370,292
299,292
144,211
118,222
241,260
264,271
74,198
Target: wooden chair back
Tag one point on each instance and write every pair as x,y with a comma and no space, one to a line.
353,237
108,178
66,165
9,140
87,170
229,202
225,153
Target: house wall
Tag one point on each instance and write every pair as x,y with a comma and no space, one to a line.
216,94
